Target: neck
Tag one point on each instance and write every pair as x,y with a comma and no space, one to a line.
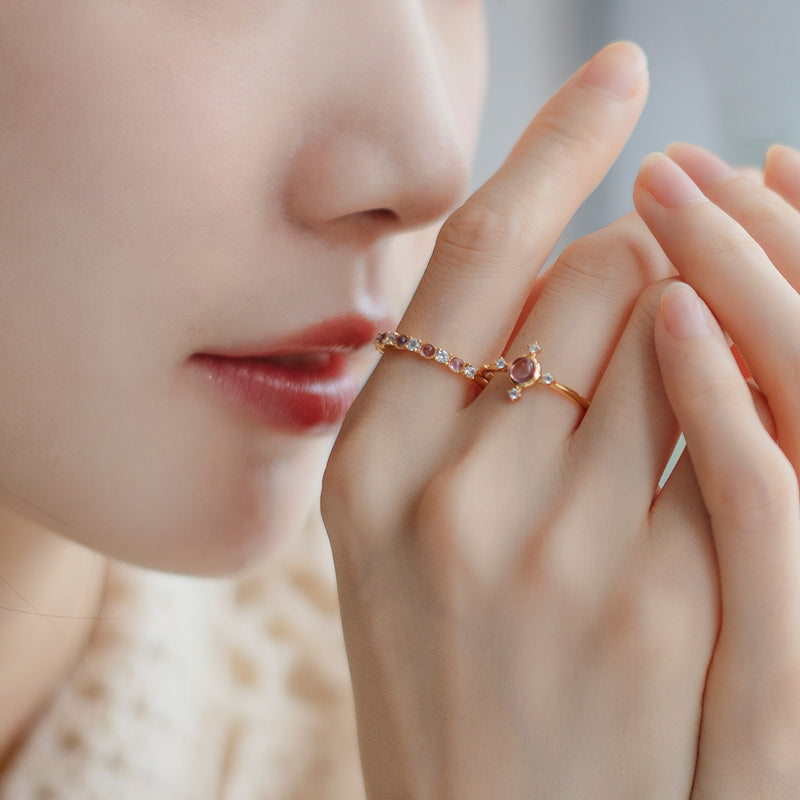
50,591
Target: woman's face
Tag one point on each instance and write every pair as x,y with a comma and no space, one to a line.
222,177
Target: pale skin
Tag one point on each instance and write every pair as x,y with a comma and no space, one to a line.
586,591
178,175
578,605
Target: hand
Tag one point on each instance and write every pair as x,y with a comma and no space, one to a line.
523,617
741,252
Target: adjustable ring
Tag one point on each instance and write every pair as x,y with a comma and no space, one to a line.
523,372
526,371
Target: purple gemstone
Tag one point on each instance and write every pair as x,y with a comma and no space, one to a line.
456,364
522,370
427,350
401,340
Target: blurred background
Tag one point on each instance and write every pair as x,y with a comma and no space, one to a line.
724,74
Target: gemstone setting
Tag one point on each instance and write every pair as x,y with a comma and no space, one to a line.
523,370
456,364
427,350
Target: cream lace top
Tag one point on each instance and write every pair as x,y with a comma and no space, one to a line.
199,689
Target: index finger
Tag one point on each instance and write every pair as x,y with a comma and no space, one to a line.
490,250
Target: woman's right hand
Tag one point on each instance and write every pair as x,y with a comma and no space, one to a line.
525,615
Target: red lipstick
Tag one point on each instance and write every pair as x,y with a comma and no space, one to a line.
301,383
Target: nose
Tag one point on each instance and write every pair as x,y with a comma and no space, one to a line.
379,150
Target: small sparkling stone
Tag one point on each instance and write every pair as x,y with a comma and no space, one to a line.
400,340
534,348
413,345
522,370
470,371
500,363
515,393
456,364
427,350
442,356
548,378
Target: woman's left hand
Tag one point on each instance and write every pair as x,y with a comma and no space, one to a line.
737,243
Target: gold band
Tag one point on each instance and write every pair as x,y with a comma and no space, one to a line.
524,372
428,351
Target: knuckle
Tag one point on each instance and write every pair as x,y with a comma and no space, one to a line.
639,631
621,256
757,491
734,246
726,389
764,210
478,232
563,139
354,501
449,544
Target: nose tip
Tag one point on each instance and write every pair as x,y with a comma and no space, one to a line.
354,181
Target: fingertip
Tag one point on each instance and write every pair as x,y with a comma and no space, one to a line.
782,170
683,314
618,70
667,183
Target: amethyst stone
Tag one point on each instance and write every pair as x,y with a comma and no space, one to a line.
427,350
456,364
522,370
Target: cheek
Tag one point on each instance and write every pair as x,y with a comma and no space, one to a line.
167,482
117,206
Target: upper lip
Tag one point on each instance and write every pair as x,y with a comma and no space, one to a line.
343,334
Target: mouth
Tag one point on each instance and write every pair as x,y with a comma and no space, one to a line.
302,383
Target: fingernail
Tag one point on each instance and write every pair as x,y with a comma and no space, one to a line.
783,169
702,166
668,183
618,70
685,315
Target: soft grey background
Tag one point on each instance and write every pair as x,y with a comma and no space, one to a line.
724,74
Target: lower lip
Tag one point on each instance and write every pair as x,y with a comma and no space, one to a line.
293,398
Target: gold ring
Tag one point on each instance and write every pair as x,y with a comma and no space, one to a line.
526,371
428,351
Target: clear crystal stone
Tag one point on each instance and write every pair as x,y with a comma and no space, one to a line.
500,363
442,356
413,345
534,348
515,393
548,378
470,371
